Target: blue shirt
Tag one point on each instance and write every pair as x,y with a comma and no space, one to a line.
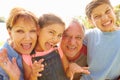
11,53
103,56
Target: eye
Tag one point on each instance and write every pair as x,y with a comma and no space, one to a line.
97,17
79,38
60,35
51,32
108,11
20,31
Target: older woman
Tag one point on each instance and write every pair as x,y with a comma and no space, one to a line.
22,27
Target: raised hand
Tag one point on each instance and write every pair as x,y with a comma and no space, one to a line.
37,67
10,67
75,68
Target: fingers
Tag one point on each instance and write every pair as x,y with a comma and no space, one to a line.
39,75
75,68
3,57
70,74
3,53
41,60
85,70
71,78
14,61
37,67
38,64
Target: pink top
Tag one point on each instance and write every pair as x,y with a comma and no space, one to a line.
28,58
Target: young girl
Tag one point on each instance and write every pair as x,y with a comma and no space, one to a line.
49,34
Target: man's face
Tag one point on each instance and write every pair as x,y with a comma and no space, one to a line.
72,40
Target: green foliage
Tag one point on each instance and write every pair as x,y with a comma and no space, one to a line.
117,12
85,21
88,25
2,19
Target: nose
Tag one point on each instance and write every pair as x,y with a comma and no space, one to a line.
104,17
27,36
72,40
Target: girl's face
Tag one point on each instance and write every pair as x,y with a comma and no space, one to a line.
50,35
103,17
23,35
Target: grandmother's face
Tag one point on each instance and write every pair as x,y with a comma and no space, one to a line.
23,35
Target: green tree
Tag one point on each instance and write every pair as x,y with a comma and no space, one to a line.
117,12
85,21
2,19
88,25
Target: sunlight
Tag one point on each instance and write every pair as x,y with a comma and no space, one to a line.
63,8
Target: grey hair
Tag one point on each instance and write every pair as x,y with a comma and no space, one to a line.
75,20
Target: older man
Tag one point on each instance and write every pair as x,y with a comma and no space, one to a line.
72,47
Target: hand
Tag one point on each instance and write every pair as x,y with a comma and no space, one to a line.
37,67
11,68
75,68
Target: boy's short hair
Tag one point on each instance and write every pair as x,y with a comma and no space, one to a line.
93,4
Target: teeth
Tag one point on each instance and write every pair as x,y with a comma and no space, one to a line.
26,46
71,47
107,23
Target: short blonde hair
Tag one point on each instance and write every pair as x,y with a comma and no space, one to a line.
17,13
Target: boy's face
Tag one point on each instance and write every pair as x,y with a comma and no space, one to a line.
103,17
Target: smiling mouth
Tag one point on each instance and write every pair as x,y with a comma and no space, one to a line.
107,23
26,46
71,48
